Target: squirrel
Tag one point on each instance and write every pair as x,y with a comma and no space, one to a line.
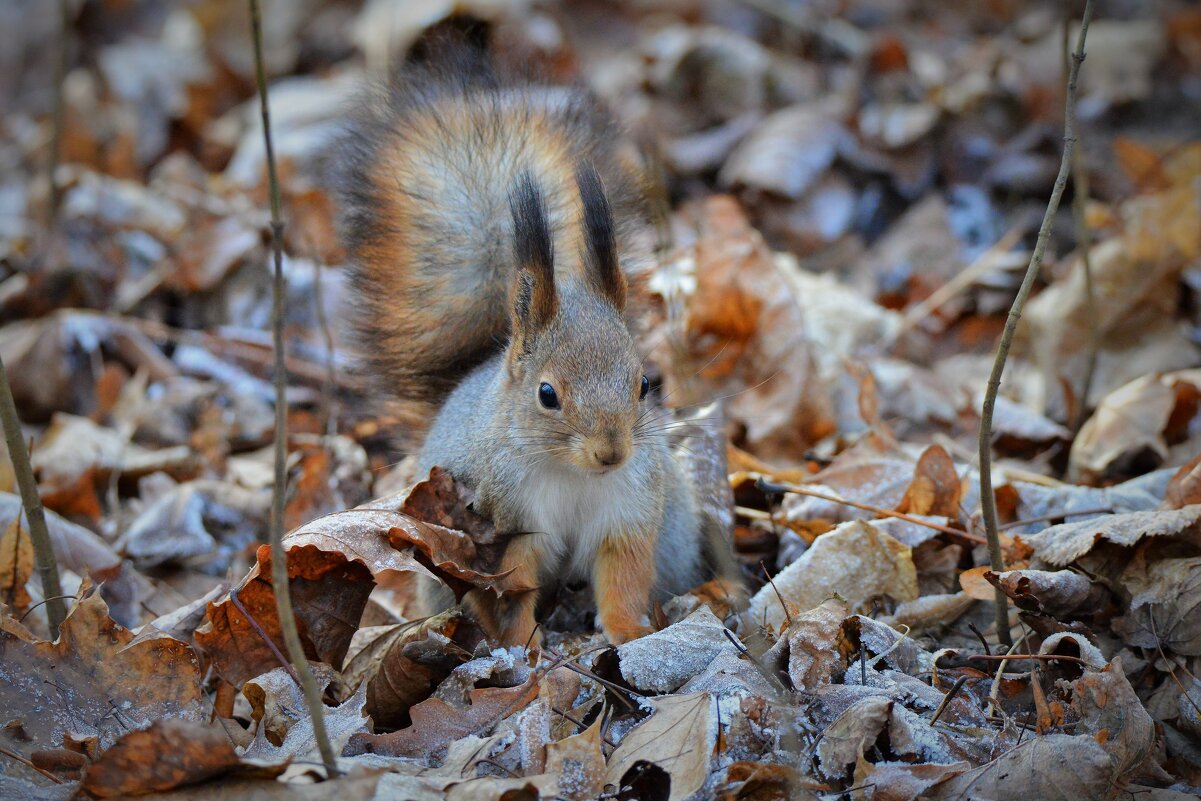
490,230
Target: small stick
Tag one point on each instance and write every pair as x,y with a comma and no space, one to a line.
21,619
56,122
1003,658
1084,243
768,486
772,582
29,764
946,699
279,562
581,725
1055,516
988,501
35,517
270,643
980,637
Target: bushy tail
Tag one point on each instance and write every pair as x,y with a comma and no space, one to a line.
425,173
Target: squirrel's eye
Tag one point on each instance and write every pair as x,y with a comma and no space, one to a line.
646,387
547,396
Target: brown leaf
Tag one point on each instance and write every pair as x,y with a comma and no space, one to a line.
16,567
168,754
444,501
332,565
414,663
936,487
105,681
1055,767
810,646
856,560
1060,594
1185,485
1065,543
742,336
1107,707
678,737
436,723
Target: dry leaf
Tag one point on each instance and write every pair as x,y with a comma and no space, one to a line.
168,754
678,737
1065,543
436,723
16,567
661,662
98,666
808,648
857,561
1061,594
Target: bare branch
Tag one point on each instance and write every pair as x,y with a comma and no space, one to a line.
52,591
279,564
988,501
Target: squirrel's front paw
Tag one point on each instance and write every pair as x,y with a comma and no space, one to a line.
621,634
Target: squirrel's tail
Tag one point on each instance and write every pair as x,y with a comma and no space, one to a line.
426,169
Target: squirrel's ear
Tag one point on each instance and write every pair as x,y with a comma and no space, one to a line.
534,301
600,240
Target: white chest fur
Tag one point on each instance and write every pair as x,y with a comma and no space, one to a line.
574,512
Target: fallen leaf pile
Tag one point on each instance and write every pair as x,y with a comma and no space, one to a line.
846,199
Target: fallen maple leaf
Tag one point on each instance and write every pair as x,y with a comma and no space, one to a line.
105,680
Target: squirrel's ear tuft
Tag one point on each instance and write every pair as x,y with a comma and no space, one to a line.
534,300
600,239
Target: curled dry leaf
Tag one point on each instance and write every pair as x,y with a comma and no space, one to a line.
415,661
98,666
1109,710
300,744
332,565
1184,488
857,561
437,723
16,567
936,487
168,754
843,742
1061,594
808,648
1135,422
275,703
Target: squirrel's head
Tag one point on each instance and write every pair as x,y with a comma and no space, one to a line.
577,378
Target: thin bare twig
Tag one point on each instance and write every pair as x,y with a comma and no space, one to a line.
56,121
279,564
769,486
988,501
52,590
946,699
1084,245
772,582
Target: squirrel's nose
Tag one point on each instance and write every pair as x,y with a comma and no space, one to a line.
609,454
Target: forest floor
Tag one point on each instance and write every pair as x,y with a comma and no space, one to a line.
850,195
